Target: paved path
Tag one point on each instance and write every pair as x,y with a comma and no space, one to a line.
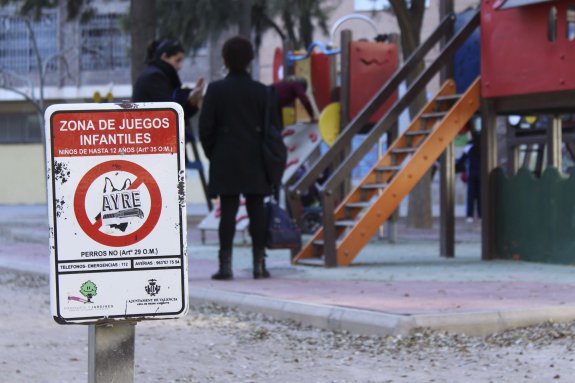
390,288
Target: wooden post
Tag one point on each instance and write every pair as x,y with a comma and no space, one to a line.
345,40
554,144
488,163
329,230
512,150
447,202
334,96
447,163
392,221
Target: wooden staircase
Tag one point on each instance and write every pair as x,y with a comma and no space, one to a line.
378,195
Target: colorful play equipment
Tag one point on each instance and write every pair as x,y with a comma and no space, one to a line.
368,65
539,62
526,52
329,123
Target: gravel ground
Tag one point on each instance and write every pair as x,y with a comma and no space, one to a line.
216,344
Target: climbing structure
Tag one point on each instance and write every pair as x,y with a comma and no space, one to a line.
377,196
350,219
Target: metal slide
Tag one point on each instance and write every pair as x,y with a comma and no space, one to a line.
378,195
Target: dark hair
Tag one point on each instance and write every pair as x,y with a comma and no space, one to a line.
237,53
158,47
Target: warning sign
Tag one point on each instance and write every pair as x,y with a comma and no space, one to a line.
116,189
121,220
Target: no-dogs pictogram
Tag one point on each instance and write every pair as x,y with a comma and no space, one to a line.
126,213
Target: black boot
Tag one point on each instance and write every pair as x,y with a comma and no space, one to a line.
260,271
225,271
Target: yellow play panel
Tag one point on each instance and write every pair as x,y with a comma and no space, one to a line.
329,123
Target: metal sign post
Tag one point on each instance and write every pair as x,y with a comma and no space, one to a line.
116,192
111,352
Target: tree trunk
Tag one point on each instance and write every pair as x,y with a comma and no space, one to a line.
245,20
142,32
290,29
305,24
410,20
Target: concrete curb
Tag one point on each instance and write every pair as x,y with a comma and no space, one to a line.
367,322
489,322
363,322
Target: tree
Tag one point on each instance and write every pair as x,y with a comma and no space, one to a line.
14,82
298,19
409,17
29,88
34,8
89,290
142,24
31,11
194,22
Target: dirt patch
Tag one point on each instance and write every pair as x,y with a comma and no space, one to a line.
216,344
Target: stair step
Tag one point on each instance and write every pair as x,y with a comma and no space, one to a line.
390,168
373,186
453,97
403,150
319,262
345,222
321,242
358,205
417,133
433,115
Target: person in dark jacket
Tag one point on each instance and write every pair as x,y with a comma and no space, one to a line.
160,81
231,132
470,164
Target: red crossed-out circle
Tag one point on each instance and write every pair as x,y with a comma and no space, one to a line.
143,177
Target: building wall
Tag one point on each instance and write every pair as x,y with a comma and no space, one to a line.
23,174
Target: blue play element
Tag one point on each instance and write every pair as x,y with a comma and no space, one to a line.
467,59
316,44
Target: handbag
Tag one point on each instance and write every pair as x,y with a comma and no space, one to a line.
273,148
281,231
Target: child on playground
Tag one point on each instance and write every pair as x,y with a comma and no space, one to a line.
292,88
469,164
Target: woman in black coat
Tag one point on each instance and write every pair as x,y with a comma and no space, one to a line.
231,123
160,81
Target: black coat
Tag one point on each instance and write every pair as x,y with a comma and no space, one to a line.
159,82
231,123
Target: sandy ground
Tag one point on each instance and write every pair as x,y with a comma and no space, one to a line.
214,344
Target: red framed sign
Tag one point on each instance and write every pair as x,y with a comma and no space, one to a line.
116,199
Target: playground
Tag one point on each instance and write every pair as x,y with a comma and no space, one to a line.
369,159
367,298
